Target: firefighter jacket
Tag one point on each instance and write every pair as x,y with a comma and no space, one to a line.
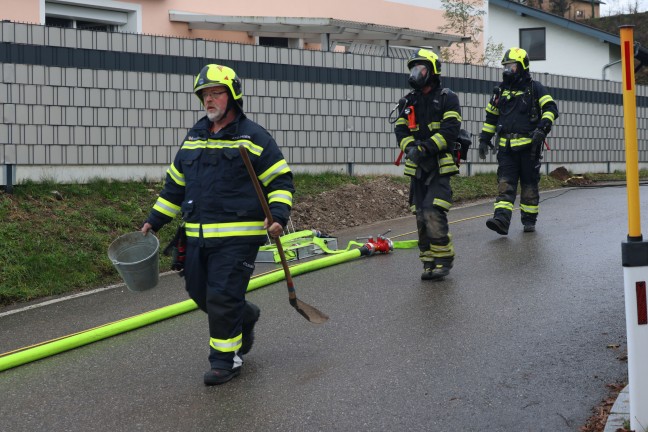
437,122
209,184
513,113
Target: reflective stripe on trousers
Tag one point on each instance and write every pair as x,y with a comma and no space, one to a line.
217,279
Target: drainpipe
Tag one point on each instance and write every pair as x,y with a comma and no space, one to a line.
609,65
637,45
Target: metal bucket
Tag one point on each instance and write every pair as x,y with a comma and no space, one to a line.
136,258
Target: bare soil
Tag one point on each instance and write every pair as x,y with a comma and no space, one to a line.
352,205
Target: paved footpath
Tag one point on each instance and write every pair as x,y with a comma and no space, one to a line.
522,336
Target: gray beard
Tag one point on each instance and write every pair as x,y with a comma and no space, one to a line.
214,117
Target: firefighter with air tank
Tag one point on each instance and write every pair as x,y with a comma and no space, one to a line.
427,128
520,115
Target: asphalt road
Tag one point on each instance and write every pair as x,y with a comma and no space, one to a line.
521,336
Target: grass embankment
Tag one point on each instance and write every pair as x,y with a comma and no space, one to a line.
54,238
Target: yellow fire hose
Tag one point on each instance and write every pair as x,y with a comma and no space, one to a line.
49,348
52,347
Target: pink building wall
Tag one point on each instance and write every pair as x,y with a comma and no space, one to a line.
26,11
382,12
155,13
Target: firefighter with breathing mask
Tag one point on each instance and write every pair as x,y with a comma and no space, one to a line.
426,129
520,115
209,185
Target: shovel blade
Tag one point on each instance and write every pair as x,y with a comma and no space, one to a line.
309,312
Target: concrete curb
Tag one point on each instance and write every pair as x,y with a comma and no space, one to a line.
620,412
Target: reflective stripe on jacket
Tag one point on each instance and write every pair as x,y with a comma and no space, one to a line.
509,114
438,120
209,185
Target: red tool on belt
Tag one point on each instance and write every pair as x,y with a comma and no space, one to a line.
411,123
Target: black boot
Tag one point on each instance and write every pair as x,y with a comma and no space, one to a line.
437,270
428,267
251,315
497,225
529,227
220,376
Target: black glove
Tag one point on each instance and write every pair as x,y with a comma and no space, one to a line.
537,137
545,126
426,147
484,143
413,153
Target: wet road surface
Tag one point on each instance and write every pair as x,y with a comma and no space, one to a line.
522,336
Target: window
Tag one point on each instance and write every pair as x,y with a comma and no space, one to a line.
78,24
580,14
59,22
99,15
278,42
533,41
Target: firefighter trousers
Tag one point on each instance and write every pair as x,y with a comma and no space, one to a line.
217,279
432,200
521,166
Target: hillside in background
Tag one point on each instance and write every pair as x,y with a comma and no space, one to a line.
611,24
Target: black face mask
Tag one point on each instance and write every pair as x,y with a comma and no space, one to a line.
419,76
512,75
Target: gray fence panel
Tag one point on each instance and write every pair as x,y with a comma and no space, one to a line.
71,100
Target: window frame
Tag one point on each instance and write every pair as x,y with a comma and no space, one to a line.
531,55
120,16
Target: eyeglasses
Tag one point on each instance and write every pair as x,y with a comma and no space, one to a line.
212,94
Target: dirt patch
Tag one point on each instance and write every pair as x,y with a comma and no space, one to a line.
560,173
563,175
352,205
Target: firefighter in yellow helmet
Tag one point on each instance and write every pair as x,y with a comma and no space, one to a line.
426,129
224,223
520,115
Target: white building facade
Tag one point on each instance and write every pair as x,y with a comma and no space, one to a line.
555,45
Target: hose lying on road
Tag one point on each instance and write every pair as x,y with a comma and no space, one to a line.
49,348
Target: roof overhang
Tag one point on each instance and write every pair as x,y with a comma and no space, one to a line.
315,30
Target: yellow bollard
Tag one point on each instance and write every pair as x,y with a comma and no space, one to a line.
634,251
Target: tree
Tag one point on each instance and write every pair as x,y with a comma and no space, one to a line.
536,4
493,53
559,7
463,17
630,7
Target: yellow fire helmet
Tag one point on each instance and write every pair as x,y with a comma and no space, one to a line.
516,55
213,75
426,56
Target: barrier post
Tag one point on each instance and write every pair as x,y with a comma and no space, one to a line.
634,251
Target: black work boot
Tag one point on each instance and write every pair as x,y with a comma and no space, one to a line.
437,270
428,267
497,225
251,315
220,376
442,267
529,227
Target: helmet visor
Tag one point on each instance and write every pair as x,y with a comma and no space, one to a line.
510,68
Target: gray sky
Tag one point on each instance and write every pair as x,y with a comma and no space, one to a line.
613,7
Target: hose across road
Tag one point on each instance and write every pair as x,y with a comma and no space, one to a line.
52,347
